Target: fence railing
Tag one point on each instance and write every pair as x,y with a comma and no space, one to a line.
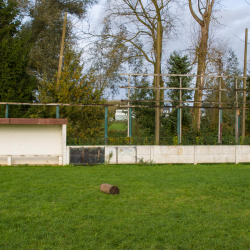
209,140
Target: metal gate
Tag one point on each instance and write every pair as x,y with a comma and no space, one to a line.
87,155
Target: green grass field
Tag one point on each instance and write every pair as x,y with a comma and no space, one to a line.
118,125
159,207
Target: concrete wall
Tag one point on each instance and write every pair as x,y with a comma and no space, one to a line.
176,154
28,144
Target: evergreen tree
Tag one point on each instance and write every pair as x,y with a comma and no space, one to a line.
178,64
16,85
144,117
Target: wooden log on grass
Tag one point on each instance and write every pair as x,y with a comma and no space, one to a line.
109,189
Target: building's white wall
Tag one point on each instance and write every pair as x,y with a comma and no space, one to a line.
32,140
64,143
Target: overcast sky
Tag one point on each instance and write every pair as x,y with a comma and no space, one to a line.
234,19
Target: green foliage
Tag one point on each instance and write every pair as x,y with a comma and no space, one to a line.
179,65
175,140
109,157
209,119
146,163
111,56
16,85
144,117
75,88
45,24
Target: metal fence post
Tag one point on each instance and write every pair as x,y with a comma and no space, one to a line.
130,122
236,114
178,124
7,111
220,116
57,112
180,114
106,125
239,129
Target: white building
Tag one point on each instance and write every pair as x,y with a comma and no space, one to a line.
121,115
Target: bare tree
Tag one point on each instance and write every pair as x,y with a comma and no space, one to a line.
205,9
149,21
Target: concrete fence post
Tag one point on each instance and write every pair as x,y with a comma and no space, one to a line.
236,155
195,160
9,160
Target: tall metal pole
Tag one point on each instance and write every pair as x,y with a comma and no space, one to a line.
57,112
61,51
7,111
158,71
220,116
236,113
130,122
180,127
128,108
244,87
106,125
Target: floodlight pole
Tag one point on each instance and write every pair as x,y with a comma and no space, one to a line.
237,111
157,83
179,116
220,116
129,112
244,87
61,51
106,125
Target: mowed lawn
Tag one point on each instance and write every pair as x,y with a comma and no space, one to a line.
118,126
159,207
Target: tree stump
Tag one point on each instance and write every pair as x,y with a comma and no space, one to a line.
109,189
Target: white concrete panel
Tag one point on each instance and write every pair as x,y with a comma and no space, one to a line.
143,153
3,160
243,149
215,154
219,158
173,154
216,149
110,150
243,153
177,154
67,154
30,140
35,160
126,154
174,159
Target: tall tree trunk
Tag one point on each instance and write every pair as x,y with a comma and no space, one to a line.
202,55
158,81
205,12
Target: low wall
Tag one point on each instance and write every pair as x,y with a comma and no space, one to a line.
32,141
173,154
